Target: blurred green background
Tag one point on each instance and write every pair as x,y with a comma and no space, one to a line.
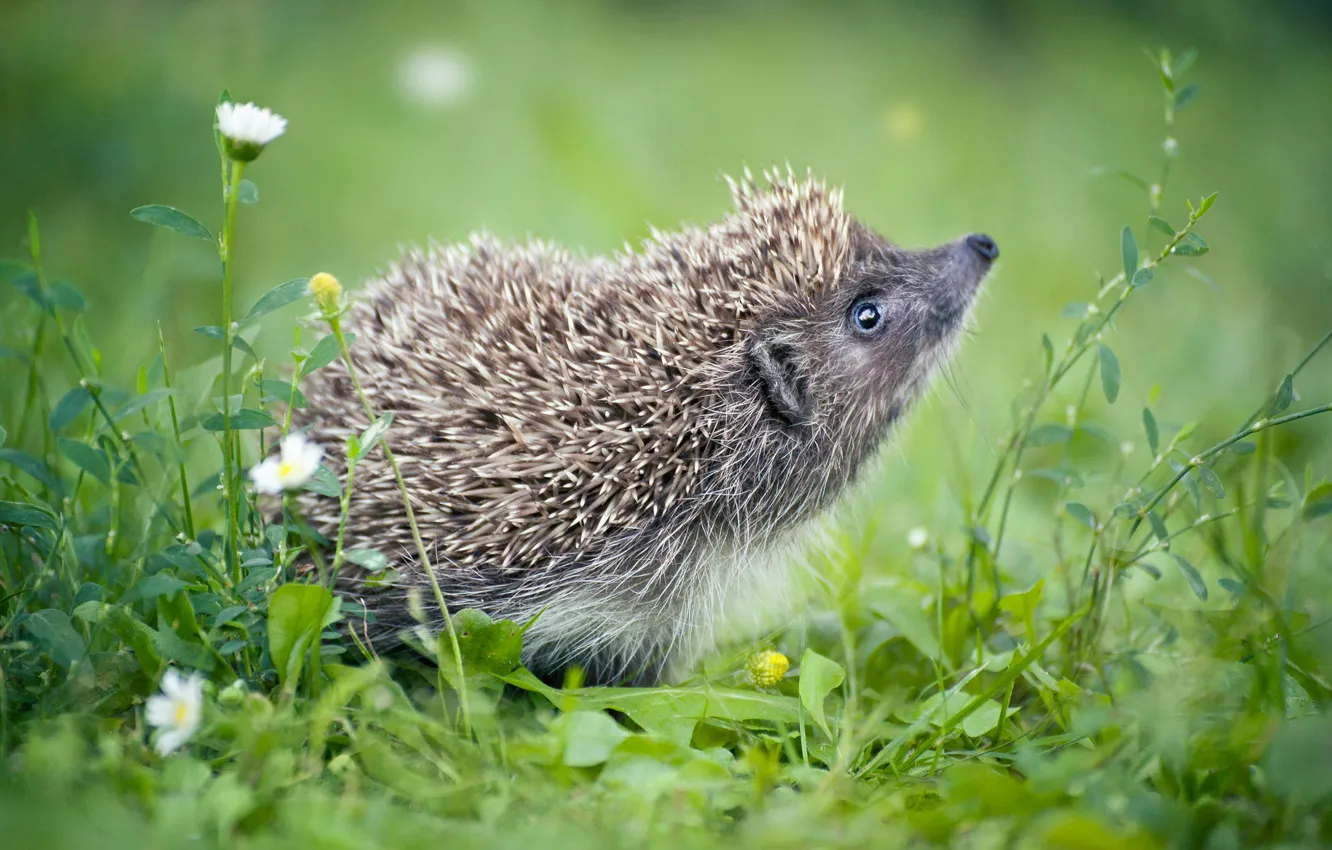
583,122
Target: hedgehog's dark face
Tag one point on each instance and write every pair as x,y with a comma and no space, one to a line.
853,357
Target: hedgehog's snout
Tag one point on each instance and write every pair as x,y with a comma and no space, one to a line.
983,245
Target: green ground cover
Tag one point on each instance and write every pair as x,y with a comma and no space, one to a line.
1125,645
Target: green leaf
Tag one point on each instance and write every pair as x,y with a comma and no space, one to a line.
1185,96
1231,586
247,193
28,284
67,296
818,677
1211,481
324,353
278,297
1047,348
68,408
296,614
1162,225
1191,245
1142,276
1109,373
371,436
172,219
91,460
670,712
324,483
1153,433
141,639
1184,62
1205,206
1081,513
589,737
33,466
26,513
1192,575
237,341
245,419
370,560
486,646
1284,394
1158,526
1317,502
53,630
1128,249
280,391
897,606
3,435
153,586
1048,435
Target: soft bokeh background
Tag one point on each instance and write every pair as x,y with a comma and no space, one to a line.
582,122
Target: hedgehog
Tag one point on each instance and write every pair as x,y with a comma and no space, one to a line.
624,450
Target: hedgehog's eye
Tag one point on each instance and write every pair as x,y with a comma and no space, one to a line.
866,316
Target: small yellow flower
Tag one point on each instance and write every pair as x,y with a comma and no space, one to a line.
326,291
767,668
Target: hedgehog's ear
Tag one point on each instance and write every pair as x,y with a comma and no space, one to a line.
781,376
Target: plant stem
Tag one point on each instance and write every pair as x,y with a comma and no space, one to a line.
1199,460
175,429
421,552
229,483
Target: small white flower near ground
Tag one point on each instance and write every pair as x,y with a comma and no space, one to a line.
917,538
248,128
176,711
295,463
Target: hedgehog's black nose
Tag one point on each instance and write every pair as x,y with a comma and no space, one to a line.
983,245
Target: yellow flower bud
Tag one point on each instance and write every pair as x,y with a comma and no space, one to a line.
326,291
767,668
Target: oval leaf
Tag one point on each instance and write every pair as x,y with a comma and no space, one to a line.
1047,435
1082,514
1162,225
1192,575
1153,433
370,436
245,419
295,619
1109,373
53,630
1128,248
23,513
278,297
818,677
324,353
248,193
69,407
172,219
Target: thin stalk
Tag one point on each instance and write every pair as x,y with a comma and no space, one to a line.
229,484
1199,460
175,429
421,552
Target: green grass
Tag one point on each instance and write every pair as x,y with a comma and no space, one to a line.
1042,671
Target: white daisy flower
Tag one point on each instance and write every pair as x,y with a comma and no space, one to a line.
917,538
247,128
296,462
176,711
